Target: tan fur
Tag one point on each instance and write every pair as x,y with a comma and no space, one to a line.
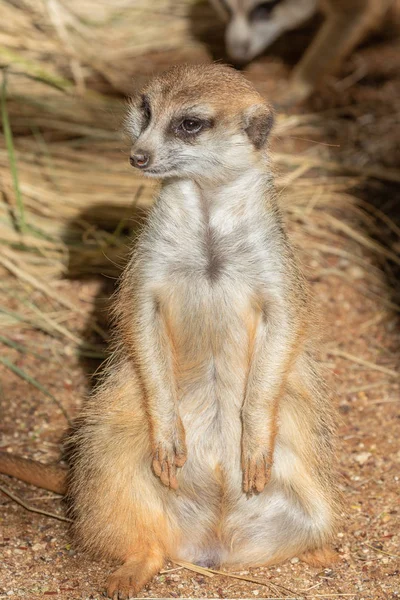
347,23
210,438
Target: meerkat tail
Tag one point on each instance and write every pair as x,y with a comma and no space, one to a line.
48,477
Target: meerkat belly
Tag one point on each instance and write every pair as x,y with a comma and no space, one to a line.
212,335
212,331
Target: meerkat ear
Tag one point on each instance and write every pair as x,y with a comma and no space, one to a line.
258,122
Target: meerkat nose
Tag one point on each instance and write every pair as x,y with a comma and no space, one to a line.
240,53
140,160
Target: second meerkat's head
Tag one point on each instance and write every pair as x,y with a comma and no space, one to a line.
198,122
253,25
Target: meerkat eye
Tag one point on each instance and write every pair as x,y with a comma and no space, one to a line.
263,11
191,125
146,110
187,128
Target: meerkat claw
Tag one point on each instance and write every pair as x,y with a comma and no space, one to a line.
166,461
256,474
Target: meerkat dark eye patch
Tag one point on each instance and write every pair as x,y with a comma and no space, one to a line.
146,111
188,128
263,11
258,122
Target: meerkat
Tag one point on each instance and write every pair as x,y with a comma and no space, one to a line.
210,438
252,26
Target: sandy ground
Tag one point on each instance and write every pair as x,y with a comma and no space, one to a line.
38,559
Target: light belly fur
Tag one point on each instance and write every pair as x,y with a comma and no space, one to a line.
218,523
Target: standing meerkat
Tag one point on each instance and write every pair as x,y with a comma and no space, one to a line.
210,438
253,25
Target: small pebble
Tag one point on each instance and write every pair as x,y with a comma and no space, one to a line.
362,457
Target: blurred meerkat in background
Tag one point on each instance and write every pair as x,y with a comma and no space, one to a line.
252,26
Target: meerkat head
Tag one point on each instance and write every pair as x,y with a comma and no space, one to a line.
198,122
253,25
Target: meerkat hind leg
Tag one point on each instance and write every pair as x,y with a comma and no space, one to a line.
138,569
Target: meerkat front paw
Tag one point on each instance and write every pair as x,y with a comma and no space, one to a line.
168,455
256,465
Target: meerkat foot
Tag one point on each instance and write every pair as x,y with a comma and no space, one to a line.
321,557
128,580
122,585
256,472
168,456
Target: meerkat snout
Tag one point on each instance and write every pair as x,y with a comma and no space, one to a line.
238,40
140,159
198,122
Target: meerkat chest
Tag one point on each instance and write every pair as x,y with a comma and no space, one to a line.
214,249
210,300
211,261
213,266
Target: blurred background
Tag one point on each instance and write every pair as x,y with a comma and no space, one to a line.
70,204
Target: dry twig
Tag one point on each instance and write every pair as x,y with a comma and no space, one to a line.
30,508
363,362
